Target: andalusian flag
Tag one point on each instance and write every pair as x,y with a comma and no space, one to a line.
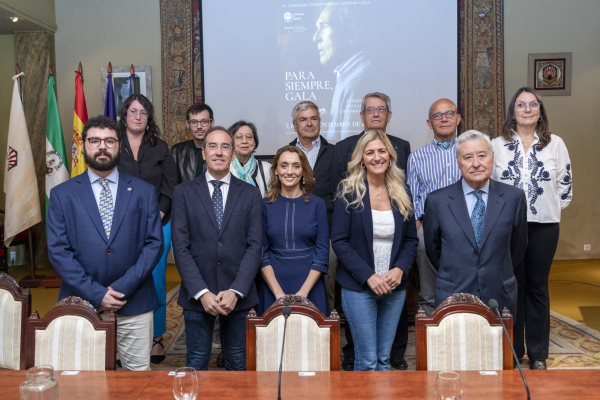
78,164
56,153
22,208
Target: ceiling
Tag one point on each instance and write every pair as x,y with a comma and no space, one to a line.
7,27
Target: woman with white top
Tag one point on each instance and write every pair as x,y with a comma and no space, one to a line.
245,166
529,157
375,238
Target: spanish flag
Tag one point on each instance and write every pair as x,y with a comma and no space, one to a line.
78,164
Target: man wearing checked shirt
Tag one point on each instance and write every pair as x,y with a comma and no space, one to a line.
432,167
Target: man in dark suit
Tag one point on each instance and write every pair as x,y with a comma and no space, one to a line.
476,229
217,245
376,113
307,124
105,238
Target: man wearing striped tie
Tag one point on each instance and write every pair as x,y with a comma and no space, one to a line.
105,238
475,230
432,167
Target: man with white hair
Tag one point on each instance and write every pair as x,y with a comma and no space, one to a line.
476,229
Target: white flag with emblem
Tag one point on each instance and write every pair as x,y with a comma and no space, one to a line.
22,208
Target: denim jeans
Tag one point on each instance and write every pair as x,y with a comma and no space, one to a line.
199,331
373,321
159,274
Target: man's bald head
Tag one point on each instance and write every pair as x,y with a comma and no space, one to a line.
443,124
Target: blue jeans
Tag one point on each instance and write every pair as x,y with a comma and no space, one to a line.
373,321
199,332
159,274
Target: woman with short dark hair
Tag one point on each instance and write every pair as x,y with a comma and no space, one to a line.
245,166
146,156
528,156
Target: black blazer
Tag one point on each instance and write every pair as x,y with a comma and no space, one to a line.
155,165
342,155
352,241
211,258
322,173
451,246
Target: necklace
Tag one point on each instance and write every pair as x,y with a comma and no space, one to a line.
377,194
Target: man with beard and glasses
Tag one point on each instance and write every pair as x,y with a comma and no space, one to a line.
105,238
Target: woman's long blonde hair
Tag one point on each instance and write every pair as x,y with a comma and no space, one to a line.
354,187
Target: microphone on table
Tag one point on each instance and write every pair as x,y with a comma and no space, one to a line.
494,306
286,313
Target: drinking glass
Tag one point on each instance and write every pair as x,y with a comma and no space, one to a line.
40,384
447,386
185,384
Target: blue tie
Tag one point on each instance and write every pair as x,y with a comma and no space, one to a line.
106,206
217,198
478,216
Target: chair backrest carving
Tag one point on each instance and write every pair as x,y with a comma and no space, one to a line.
82,328
15,305
305,318
465,310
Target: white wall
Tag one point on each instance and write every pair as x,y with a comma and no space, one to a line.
39,11
7,71
96,32
553,26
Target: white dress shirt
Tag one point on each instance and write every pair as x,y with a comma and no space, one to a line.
470,197
113,185
224,191
311,153
544,174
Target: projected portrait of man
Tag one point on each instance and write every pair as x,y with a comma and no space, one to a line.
339,41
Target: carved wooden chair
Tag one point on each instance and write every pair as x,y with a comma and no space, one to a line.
312,341
72,336
463,334
15,306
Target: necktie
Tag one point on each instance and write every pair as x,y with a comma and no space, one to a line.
106,206
217,199
478,216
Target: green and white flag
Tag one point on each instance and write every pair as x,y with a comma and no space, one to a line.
56,154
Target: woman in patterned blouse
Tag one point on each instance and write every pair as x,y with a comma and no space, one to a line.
528,156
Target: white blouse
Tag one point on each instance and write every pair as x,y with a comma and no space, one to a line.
383,238
544,174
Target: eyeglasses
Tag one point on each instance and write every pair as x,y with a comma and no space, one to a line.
109,142
242,135
371,110
214,147
143,114
440,115
204,122
521,106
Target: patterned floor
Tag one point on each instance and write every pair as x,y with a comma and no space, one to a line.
572,344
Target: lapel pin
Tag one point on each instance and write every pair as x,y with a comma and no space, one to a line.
129,189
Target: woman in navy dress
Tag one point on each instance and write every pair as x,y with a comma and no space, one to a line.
296,234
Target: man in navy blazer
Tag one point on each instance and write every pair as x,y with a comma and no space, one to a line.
104,239
217,245
476,229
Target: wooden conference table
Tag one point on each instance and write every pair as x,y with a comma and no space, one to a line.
125,385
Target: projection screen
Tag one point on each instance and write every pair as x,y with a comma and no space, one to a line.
262,57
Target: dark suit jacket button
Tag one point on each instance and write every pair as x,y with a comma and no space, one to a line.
219,265
477,290
108,252
219,243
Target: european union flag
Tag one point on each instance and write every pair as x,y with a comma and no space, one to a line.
110,109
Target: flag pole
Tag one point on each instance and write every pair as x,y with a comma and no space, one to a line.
54,281
33,280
